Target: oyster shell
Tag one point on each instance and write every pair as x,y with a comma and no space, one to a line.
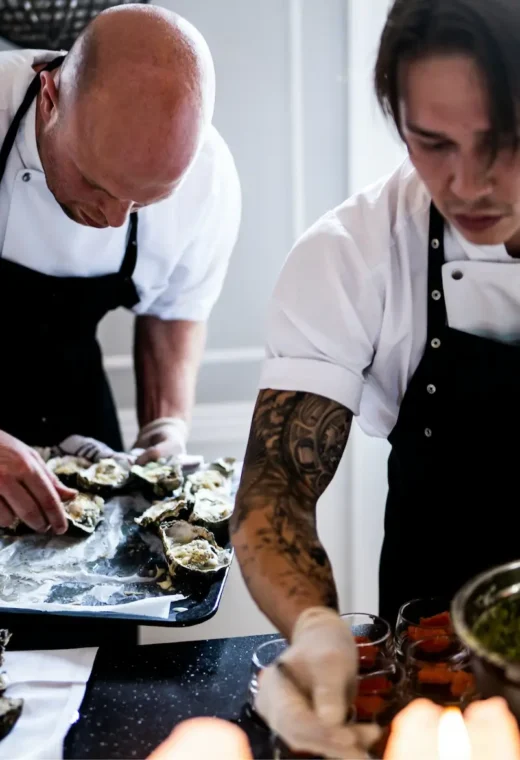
192,551
162,510
212,509
84,512
10,711
156,479
225,465
104,477
68,469
208,480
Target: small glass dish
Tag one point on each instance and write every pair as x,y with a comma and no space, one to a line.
281,751
373,637
421,619
381,695
438,669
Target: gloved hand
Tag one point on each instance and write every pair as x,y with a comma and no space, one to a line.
164,438
305,696
88,448
290,716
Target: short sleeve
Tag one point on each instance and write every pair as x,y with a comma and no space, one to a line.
197,279
324,317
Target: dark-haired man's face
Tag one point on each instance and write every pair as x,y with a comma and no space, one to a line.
446,124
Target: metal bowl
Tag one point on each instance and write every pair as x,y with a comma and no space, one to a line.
495,676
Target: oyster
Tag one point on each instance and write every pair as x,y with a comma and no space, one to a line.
162,510
84,512
68,469
192,551
104,477
10,711
5,637
226,466
212,509
156,479
208,480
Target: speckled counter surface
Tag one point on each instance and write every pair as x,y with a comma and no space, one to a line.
137,695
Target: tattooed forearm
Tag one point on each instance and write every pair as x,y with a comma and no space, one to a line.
295,446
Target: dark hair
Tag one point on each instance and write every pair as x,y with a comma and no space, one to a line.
486,30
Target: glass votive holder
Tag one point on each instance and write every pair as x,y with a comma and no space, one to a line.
373,637
421,619
438,669
263,656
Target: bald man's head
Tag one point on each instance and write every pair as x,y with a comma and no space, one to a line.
122,120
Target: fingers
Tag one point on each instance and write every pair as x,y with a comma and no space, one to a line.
24,506
290,715
46,496
7,516
63,491
493,731
204,738
329,693
155,452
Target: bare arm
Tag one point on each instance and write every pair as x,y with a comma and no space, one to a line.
167,358
295,446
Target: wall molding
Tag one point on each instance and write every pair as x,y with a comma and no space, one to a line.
212,423
212,356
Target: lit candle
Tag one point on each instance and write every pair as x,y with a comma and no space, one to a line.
453,740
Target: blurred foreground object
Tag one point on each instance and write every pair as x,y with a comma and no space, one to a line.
204,738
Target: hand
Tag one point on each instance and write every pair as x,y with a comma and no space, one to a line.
200,738
289,715
305,696
164,438
89,448
28,491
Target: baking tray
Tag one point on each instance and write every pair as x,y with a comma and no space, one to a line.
120,554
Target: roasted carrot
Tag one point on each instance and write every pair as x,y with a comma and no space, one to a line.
374,685
437,621
439,674
462,682
369,707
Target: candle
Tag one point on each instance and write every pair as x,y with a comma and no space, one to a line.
453,740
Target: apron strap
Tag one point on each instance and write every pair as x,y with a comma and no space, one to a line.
31,93
130,259
437,314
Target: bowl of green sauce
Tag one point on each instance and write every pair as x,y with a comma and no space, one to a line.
486,617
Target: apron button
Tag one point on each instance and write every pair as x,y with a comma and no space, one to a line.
435,243
431,389
436,343
436,295
457,275
26,177
44,420
428,433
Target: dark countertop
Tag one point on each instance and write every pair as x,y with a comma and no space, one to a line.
137,695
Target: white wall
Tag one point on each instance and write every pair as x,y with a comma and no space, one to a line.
374,150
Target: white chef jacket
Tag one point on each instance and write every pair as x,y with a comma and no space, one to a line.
184,242
348,316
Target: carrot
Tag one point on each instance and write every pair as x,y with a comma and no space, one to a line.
435,674
369,707
367,654
437,621
374,685
416,633
461,682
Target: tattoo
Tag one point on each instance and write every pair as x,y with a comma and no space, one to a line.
295,446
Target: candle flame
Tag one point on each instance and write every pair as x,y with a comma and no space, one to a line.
453,739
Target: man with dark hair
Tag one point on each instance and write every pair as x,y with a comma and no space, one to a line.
115,190
400,307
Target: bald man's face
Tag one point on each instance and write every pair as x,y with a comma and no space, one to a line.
104,158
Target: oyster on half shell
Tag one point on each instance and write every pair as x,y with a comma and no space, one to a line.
84,512
68,469
208,480
160,511
192,551
104,477
225,465
212,510
10,711
157,479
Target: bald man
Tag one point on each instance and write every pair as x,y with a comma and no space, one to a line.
115,190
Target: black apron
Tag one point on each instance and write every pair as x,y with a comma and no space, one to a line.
453,508
53,384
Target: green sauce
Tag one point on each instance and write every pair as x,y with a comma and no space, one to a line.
499,629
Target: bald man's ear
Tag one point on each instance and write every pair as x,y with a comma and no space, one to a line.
49,97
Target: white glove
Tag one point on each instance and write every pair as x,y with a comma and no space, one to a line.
88,448
164,438
305,696
290,716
